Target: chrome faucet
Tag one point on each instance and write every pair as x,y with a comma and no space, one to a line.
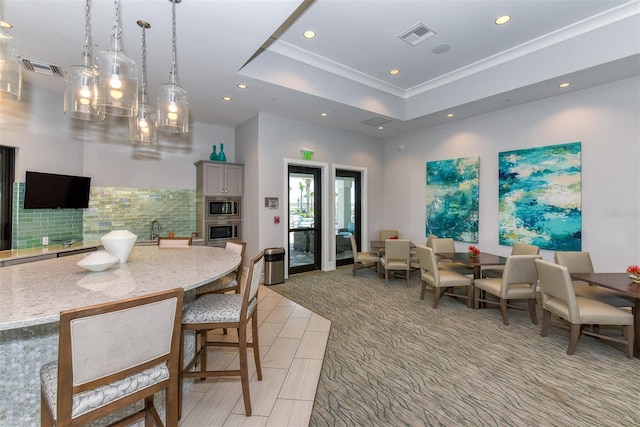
154,236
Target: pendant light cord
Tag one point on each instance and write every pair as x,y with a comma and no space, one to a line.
143,91
174,73
86,50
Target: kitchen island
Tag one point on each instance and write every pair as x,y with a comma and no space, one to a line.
33,294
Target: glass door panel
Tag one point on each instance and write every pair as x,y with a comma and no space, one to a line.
304,219
347,211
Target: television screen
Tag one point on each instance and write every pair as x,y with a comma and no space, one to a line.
52,191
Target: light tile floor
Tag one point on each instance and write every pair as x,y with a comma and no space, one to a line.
292,346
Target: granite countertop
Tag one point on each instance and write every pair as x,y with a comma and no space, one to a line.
44,250
35,293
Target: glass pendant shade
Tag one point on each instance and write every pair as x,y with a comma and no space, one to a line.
142,127
117,81
10,66
172,109
172,104
81,91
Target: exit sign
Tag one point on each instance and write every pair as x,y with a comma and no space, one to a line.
307,154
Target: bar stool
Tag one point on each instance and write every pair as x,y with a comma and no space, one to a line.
231,281
111,356
232,311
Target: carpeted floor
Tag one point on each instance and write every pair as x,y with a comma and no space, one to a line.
392,360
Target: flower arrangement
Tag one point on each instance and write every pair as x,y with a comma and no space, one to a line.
473,251
634,273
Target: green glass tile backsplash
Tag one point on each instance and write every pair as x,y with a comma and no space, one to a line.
110,208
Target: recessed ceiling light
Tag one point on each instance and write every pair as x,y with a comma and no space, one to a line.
324,114
450,115
394,72
309,34
380,127
566,84
242,86
227,98
502,20
5,24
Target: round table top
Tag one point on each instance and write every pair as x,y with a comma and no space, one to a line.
35,293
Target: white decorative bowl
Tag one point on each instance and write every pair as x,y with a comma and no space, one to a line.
119,243
98,261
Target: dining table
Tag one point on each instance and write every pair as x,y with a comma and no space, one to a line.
375,245
621,283
33,294
476,262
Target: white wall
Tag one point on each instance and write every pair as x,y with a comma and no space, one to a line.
605,119
49,141
281,139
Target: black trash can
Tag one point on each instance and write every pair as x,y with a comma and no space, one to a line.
273,266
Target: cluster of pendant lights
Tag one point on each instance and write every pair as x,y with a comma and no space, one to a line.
110,86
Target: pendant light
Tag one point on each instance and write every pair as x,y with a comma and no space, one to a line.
10,63
142,127
173,101
81,81
118,77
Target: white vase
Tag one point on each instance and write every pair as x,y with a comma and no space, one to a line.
119,243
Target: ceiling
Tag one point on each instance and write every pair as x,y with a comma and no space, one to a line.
468,66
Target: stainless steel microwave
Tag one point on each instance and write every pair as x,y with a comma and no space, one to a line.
222,208
218,232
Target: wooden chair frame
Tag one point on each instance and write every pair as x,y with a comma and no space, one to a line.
200,358
66,388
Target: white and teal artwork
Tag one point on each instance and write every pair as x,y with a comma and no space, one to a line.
540,200
453,198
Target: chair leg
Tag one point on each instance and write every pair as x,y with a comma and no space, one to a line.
546,322
470,294
423,291
436,297
355,263
629,335
256,346
244,370
407,274
386,277
476,298
532,311
575,330
503,311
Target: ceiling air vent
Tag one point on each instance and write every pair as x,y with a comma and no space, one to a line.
376,121
417,34
42,68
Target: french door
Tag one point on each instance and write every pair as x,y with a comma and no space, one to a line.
348,214
305,218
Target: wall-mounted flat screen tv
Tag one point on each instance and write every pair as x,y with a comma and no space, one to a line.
53,191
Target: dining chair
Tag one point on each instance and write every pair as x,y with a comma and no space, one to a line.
518,248
174,242
443,245
111,356
518,282
559,298
230,281
396,258
580,262
226,311
384,235
363,259
442,281
415,262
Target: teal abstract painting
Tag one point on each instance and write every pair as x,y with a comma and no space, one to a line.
540,197
453,199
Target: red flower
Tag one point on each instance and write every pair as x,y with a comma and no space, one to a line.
634,269
474,250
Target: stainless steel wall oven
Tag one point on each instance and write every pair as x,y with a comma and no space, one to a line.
222,208
216,233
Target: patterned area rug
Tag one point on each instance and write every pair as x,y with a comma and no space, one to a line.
392,360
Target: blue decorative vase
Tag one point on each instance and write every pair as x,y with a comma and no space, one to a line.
214,155
222,157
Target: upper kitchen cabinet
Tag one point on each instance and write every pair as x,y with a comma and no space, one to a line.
219,179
